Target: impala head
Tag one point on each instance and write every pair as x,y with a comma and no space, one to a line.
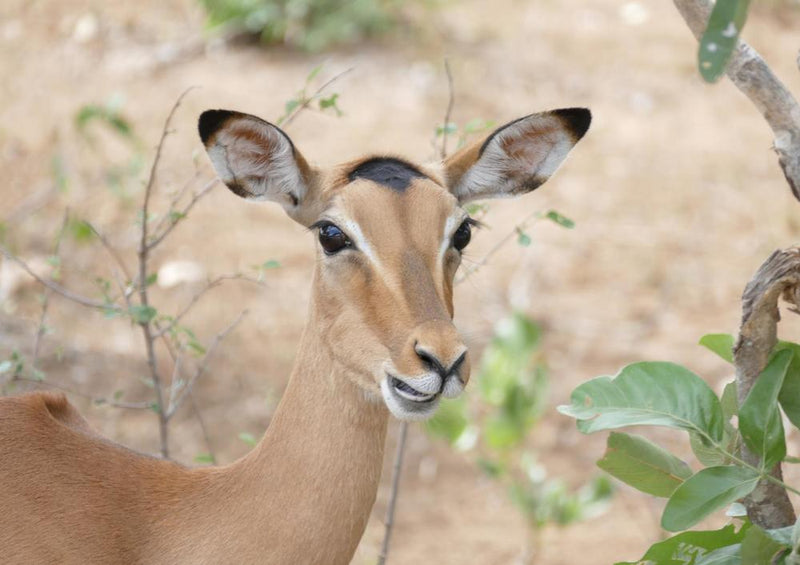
390,237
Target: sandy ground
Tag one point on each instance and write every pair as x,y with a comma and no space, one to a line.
676,196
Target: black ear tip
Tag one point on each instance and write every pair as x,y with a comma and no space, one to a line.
210,121
577,120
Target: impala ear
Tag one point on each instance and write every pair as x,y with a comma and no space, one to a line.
516,158
258,161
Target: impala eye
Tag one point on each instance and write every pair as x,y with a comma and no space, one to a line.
462,236
332,239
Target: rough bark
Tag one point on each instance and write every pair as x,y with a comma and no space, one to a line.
768,505
753,77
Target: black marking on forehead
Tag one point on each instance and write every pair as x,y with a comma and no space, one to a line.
386,171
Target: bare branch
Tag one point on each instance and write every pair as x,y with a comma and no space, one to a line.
306,102
41,328
187,388
144,249
111,251
753,77
768,505
182,214
198,295
450,102
99,401
468,272
57,288
396,468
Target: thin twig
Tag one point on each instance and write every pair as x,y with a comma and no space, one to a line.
57,288
187,388
111,251
182,214
95,400
498,246
450,102
203,428
197,296
41,328
396,472
285,122
143,255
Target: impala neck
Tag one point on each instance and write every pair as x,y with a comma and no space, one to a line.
313,477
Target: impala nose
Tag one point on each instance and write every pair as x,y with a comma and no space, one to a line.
439,349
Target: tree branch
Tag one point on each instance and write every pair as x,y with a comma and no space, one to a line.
187,388
57,288
768,505
396,468
451,99
753,77
143,254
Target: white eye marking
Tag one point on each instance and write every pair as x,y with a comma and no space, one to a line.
450,226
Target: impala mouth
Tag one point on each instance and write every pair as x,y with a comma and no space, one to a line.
406,391
406,402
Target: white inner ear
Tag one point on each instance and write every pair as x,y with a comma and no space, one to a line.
531,148
260,160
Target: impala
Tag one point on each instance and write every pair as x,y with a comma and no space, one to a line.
379,339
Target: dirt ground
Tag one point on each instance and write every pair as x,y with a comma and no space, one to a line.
676,196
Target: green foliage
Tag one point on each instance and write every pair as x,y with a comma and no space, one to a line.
760,416
720,37
312,25
559,219
649,393
664,394
642,464
690,547
721,344
512,385
705,492
248,438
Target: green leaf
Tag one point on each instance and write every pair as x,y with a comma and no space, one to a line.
204,458
649,393
142,314
760,416
6,366
118,394
705,492
492,468
270,264
248,438
560,219
720,38
706,453
731,555
790,392
330,102
450,420
447,129
683,548
80,230
314,72
721,344
291,105
759,546
637,461
523,238
729,401
151,279
175,216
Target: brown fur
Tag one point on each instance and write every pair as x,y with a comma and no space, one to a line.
304,494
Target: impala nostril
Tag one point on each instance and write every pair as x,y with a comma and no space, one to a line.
430,361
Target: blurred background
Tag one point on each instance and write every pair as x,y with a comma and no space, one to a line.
675,196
